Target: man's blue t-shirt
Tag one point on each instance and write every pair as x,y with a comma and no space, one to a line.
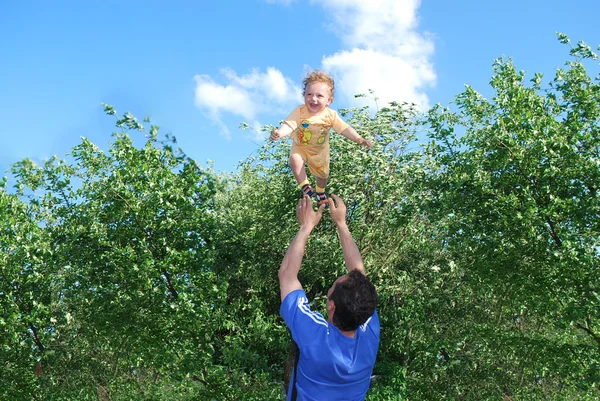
332,366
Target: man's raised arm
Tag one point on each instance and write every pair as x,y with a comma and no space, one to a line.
288,272
352,256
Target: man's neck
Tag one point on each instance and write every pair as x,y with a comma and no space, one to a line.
350,334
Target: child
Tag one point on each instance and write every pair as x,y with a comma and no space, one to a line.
309,126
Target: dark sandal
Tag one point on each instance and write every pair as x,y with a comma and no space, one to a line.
322,199
307,189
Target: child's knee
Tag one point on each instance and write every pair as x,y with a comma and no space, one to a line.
296,161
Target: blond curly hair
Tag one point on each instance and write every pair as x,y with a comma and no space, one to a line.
318,76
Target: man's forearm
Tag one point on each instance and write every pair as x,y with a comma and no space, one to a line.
295,253
290,266
352,255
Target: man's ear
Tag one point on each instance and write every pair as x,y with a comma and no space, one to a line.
330,305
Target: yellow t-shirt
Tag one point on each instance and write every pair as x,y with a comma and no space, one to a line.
314,130
311,137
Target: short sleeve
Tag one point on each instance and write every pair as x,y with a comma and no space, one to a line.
371,326
304,324
337,123
293,118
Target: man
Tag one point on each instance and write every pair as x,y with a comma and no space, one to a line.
337,354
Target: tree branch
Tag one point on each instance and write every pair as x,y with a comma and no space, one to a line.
35,338
553,232
588,329
444,354
170,284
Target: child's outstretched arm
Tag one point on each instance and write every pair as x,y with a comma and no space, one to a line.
351,134
282,131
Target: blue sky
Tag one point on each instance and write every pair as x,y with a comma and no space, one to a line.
199,68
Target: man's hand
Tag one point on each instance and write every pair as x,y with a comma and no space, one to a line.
307,217
337,209
275,135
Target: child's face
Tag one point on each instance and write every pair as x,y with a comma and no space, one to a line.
317,96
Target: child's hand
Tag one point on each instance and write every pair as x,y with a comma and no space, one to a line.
275,135
366,142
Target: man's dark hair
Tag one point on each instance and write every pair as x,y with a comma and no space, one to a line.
355,301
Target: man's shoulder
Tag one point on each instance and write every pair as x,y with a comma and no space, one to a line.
302,321
371,328
293,296
371,321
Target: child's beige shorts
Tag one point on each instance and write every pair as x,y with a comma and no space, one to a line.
317,157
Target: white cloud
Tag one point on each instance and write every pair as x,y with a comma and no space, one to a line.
391,78
375,23
246,96
382,50
214,97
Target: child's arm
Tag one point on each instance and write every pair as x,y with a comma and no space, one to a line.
351,134
284,130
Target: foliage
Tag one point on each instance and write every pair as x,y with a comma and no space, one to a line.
137,274
516,184
110,264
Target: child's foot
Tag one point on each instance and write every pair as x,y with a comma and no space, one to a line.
307,189
322,199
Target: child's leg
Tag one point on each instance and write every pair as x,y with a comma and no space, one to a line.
319,166
321,184
297,165
321,196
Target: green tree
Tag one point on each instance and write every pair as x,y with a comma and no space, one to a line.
257,222
137,274
516,182
124,297
25,295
